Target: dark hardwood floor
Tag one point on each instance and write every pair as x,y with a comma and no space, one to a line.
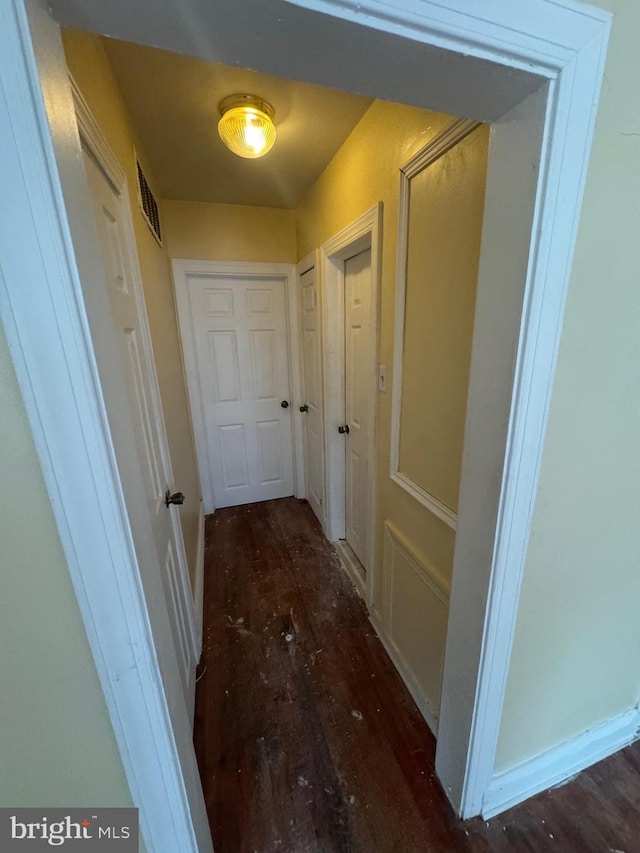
307,738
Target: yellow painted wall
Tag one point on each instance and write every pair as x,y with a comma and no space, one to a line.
90,68
365,171
576,655
56,740
229,232
444,231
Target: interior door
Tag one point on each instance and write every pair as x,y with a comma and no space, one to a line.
242,354
129,318
359,411
312,413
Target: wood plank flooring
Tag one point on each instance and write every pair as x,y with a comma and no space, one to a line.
307,739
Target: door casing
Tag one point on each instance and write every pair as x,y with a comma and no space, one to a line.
59,328
363,233
311,262
563,43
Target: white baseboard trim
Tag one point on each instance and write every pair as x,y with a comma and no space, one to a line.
198,592
351,565
559,764
424,706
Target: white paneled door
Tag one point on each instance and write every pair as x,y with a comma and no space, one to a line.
240,342
174,635
359,411
312,422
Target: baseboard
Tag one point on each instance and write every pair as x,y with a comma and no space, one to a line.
424,706
559,764
198,592
350,564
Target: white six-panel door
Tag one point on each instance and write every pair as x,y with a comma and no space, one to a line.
129,318
359,366
312,421
236,345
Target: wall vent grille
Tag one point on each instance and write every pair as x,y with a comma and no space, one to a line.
148,204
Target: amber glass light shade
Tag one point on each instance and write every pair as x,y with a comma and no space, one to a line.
246,125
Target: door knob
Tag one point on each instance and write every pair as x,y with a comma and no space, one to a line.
175,498
344,429
304,408
285,404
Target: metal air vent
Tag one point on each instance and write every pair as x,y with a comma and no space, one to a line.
148,204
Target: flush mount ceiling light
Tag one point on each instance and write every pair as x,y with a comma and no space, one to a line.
246,126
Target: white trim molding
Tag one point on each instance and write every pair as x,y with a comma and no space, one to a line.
295,379
432,577
309,262
352,566
539,151
417,694
94,140
427,500
432,151
65,405
182,269
560,764
198,587
545,58
363,233
397,546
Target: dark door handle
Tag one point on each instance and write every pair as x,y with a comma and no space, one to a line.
285,404
304,408
175,498
344,429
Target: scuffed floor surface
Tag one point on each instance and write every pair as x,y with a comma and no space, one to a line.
307,738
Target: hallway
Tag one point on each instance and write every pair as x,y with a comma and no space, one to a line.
308,740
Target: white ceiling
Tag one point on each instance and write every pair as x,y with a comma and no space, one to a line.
173,101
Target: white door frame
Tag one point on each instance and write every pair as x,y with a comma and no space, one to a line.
50,326
182,269
363,233
563,42
309,262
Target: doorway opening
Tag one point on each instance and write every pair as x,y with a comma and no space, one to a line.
350,268
242,325
466,760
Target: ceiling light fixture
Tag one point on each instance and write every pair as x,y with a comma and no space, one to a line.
246,126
